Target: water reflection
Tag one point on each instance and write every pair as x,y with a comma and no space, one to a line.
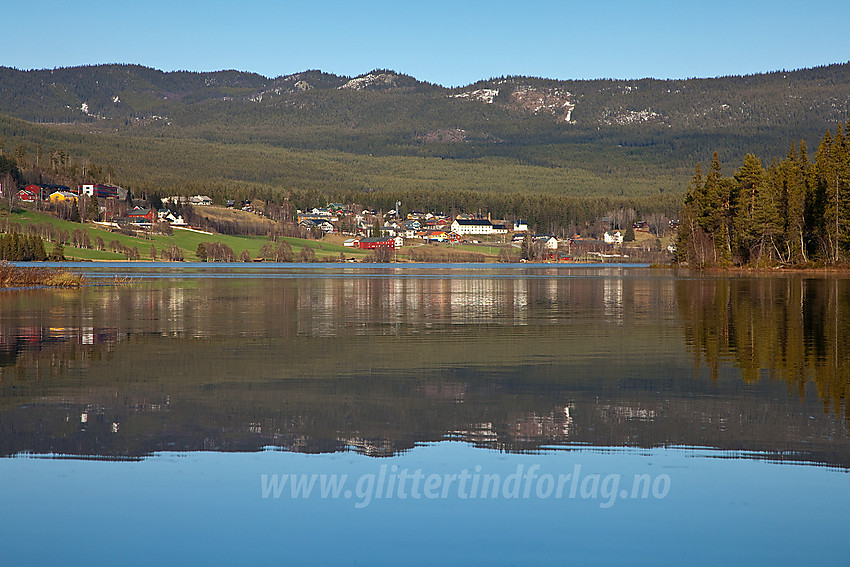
377,364
793,329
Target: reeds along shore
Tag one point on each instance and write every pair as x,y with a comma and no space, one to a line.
22,276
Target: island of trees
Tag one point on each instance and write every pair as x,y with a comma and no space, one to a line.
792,212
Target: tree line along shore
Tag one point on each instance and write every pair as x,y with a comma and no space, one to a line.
792,212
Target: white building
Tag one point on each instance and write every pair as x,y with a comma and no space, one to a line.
166,215
615,238
472,226
548,240
202,200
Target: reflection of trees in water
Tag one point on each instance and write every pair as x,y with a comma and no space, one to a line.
791,328
379,364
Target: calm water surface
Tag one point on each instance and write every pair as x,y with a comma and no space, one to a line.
297,414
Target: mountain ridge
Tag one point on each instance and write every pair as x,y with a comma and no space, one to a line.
115,91
602,136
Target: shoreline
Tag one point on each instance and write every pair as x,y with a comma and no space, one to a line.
260,265
806,270
38,274
252,266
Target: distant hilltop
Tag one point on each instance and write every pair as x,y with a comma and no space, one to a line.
143,96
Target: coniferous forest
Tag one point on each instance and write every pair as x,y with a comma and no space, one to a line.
790,211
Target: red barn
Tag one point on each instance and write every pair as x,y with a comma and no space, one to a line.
380,242
140,214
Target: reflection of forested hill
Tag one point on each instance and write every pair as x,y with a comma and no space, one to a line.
379,364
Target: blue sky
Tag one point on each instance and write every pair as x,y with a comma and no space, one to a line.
448,42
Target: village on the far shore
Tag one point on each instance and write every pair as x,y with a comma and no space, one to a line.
365,229
370,229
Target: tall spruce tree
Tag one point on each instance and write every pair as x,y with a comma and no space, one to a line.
693,245
749,179
832,194
824,209
841,155
767,221
794,193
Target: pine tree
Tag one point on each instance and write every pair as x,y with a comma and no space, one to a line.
694,246
831,201
794,188
58,252
75,212
93,210
822,204
749,179
842,190
40,253
17,247
767,222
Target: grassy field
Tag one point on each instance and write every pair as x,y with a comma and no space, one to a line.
186,240
448,253
72,253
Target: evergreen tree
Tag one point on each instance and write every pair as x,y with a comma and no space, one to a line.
807,173
40,254
58,252
841,191
693,245
793,187
17,247
75,212
93,209
749,179
824,209
714,202
792,211
525,251
767,224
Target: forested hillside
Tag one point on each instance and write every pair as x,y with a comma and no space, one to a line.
388,113
383,136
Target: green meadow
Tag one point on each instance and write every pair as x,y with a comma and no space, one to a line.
187,241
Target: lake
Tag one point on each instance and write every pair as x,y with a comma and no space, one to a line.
425,414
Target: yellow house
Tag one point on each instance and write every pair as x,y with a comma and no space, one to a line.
62,197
